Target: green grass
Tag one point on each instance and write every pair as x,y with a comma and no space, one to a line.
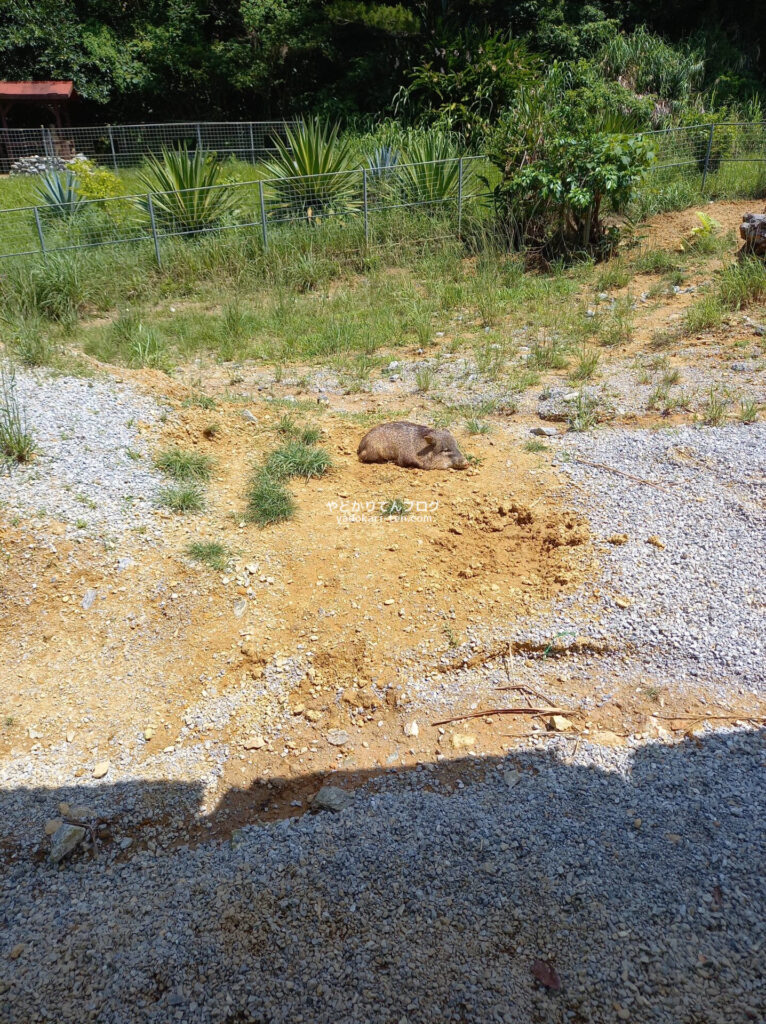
210,552
477,426
656,261
706,314
184,466
748,411
297,459
743,283
586,366
17,442
582,415
715,409
182,497
548,355
615,275
268,501
535,445
395,508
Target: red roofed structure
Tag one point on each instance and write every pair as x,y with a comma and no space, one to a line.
53,95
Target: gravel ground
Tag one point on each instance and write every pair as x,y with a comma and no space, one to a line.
86,431
641,882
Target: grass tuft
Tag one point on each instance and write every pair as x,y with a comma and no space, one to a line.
297,459
395,508
17,443
210,553
182,497
184,466
268,501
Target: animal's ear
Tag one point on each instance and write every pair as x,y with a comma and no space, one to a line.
429,438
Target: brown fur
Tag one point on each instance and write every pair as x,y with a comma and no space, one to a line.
411,445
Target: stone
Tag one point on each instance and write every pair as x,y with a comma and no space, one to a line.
512,778
239,607
605,738
558,723
312,715
462,739
66,839
88,599
658,542
149,732
70,736
52,825
337,737
544,431
623,602
753,231
248,416
331,798
17,950
618,539
411,728
255,742
101,769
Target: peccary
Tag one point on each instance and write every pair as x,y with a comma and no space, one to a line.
411,445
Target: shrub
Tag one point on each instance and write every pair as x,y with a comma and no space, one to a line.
430,172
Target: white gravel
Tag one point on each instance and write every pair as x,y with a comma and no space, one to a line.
93,467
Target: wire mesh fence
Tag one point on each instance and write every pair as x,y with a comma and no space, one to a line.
367,200
370,204
128,144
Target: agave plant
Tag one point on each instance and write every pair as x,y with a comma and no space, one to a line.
58,195
185,188
313,174
430,172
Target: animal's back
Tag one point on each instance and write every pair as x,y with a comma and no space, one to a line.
397,442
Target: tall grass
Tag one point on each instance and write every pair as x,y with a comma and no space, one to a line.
17,443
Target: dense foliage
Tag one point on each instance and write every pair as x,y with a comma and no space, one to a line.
458,61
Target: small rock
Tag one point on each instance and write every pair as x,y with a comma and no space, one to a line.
312,715
149,731
255,742
462,739
88,599
16,952
544,431
337,737
656,541
558,723
64,840
239,607
605,738
52,825
70,736
331,798
623,602
512,778
100,770
411,729
618,539
248,416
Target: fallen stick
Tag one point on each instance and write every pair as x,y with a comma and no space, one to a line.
704,717
501,711
524,689
620,472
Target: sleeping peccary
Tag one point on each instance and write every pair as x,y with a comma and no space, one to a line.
411,445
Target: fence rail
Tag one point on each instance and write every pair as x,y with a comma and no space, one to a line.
128,144
367,200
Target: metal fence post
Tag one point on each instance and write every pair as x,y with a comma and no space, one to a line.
199,136
111,146
38,222
707,156
252,143
263,216
366,212
150,205
460,197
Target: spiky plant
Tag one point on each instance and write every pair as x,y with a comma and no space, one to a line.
313,173
430,170
187,194
57,195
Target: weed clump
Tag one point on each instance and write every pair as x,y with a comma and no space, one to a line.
211,553
268,500
184,466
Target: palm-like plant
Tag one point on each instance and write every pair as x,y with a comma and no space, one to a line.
431,171
186,192
313,173
58,194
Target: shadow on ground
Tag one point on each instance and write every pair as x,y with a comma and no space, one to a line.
427,899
